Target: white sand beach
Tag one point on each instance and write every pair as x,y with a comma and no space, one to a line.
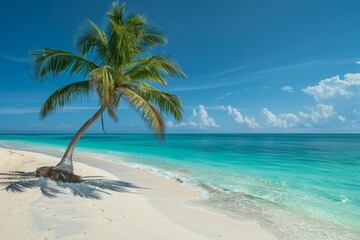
146,207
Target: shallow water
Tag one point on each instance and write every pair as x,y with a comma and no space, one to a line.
296,186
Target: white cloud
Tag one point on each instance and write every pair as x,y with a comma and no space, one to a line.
342,119
358,62
28,110
287,89
240,119
334,87
356,111
194,114
193,124
274,121
13,58
205,120
291,119
169,124
318,114
226,95
221,107
198,119
16,110
173,125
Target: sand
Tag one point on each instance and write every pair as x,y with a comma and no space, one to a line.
145,206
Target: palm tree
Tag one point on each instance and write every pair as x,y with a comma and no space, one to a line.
115,60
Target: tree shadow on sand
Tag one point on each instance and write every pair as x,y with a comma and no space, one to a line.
90,187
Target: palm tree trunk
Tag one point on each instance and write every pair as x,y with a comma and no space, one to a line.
66,163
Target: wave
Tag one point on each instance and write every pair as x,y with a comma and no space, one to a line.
191,184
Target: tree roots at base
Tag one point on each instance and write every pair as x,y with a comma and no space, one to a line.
57,175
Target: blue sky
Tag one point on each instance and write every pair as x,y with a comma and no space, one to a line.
252,66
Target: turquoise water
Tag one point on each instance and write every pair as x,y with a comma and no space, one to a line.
296,186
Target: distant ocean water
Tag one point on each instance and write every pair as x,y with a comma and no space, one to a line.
296,186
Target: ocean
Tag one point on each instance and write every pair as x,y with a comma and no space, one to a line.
295,186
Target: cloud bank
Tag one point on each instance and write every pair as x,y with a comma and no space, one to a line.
334,86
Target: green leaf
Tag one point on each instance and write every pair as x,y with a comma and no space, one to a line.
53,62
149,113
65,95
90,38
106,80
167,103
156,68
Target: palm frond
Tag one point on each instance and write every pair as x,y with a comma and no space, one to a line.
156,68
123,44
147,34
91,38
113,105
167,103
53,62
135,20
151,36
105,79
65,95
117,13
112,114
124,34
151,116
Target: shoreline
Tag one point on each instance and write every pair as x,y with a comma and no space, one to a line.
159,211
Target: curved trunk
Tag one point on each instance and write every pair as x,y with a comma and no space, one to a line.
66,163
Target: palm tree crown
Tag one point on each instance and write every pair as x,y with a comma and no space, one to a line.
115,63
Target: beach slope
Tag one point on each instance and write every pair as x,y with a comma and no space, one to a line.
143,206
